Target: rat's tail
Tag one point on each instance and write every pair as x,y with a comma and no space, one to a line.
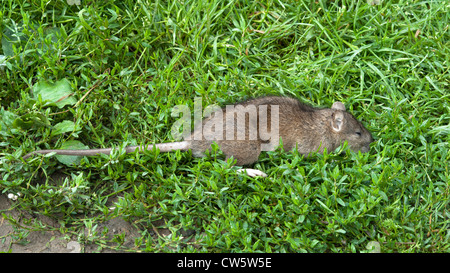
163,147
86,152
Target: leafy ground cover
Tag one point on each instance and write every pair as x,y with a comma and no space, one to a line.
108,73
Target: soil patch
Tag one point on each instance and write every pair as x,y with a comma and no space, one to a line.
17,236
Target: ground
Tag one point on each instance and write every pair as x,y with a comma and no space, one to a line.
49,239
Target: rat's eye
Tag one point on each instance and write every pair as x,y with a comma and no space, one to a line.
358,133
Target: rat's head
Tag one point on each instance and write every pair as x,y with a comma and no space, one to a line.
346,128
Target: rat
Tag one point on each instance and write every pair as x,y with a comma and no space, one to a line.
268,120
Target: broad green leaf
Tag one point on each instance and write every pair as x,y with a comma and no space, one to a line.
31,121
70,159
58,93
63,127
6,121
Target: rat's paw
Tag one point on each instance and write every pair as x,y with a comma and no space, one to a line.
252,172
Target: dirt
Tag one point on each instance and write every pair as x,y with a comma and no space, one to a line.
27,232
16,235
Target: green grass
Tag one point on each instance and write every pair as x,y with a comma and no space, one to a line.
130,62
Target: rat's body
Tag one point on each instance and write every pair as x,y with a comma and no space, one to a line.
299,125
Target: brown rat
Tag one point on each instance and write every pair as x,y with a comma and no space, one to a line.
297,124
311,129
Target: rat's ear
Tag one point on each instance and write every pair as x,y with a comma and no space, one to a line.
337,121
338,106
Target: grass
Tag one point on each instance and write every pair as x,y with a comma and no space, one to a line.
128,63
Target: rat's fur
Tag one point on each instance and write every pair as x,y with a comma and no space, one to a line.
311,129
